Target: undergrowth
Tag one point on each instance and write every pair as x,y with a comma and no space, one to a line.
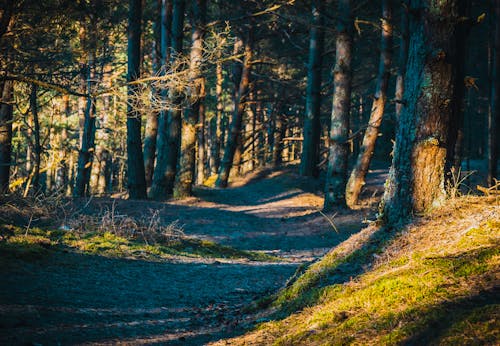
434,282
36,242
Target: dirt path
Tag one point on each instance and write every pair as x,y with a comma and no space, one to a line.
69,298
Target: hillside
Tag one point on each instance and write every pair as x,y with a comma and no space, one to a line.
434,282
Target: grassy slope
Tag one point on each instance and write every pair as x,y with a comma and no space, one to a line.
435,282
37,242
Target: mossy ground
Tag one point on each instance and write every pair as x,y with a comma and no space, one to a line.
435,282
35,242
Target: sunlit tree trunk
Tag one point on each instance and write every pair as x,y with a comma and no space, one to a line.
168,141
312,125
494,115
417,177
37,148
358,174
135,160
191,117
217,136
339,129
62,175
6,111
236,120
201,140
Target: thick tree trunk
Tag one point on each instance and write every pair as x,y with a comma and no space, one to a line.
358,174
185,174
494,114
151,131
168,141
403,57
6,112
312,125
87,146
135,159
339,130
417,175
239,109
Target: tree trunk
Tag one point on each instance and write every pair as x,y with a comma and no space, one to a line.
62,169
417,175
358,174
494,114
151,131
312,125
135,159
168,141
201,140
6,112
239,109
185,174
403,57
87,146
218,136
339,129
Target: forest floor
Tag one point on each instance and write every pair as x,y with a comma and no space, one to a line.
74,297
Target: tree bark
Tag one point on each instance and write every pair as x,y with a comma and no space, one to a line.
218,137
403,57
168,141
185,174
135,159
6,112
339,130
417,175
312,125
36,132
494,114
358,174
151,131
87,146
236,120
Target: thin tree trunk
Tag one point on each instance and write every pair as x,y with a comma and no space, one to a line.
358,174
36,133
339,130
239,109
201,140
62,169
417,175
151,131
403,57
6,112
312,125
135,159
279,131
218,138
168,141
87,147
185,174
494,114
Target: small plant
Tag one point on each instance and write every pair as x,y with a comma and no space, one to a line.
456,182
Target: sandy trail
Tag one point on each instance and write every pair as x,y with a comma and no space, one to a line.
70,298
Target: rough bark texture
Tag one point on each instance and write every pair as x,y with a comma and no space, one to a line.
151,130
201,138
494,116
87,145
339,130
135,160
236,120
185,174
360,169
168,141
312,125
417,175
6,109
